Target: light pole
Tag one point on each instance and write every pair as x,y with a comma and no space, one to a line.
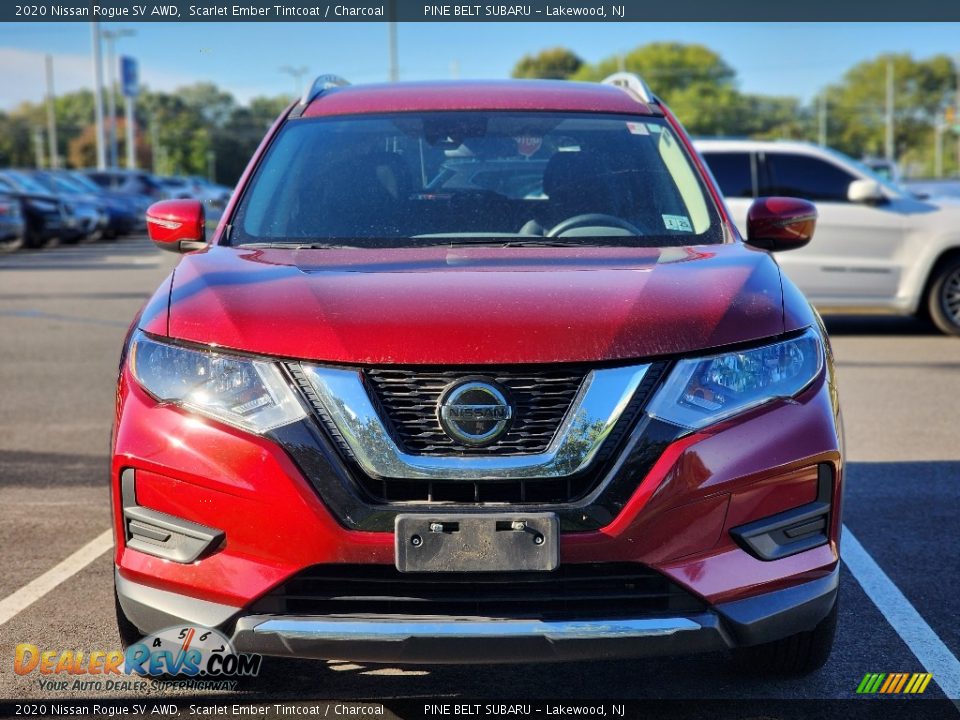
297,74
393,70
51,116
889,149
98,94
111,36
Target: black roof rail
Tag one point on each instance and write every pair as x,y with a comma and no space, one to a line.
632,84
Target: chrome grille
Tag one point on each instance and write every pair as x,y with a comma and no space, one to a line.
540,399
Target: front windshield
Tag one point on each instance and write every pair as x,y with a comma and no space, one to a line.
26,183
474,177
86,183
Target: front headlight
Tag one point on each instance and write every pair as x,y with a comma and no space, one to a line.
248,394
703,391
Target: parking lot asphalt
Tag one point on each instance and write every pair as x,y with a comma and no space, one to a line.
64,312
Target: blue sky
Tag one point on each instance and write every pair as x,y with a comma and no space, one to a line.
789,58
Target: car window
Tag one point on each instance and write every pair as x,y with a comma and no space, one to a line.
734,173
413,177
102,179
807,177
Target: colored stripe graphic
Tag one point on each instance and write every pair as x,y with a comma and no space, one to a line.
893,683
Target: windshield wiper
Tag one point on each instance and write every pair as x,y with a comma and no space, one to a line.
296,246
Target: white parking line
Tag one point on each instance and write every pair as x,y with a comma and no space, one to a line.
64,570
929,649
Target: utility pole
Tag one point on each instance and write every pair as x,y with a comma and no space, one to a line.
51,116
38,146
297,74
154,146
111,36
822,120
890,150
938,146
98,95
394,70
131,139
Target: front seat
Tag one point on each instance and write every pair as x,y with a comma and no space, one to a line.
578,183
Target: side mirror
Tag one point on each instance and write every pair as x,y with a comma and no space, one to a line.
866,191
780,223
177,225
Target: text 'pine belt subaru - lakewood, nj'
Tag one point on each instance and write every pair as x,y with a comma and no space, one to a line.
480,372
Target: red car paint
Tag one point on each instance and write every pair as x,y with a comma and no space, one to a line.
420,306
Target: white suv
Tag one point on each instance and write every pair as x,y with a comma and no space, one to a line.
877,247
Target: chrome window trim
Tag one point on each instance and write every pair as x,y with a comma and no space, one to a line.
595,410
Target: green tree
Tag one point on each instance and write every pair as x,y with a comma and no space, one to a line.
857,106
182,132
16,144
236,142
556,63
695,81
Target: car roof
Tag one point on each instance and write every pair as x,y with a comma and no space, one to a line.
546,95
746,145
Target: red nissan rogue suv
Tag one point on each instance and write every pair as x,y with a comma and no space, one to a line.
480,372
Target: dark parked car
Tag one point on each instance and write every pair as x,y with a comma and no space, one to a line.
116,214
134,203
45,215
13,225
88,213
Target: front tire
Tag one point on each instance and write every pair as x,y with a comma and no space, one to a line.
799,654
943,298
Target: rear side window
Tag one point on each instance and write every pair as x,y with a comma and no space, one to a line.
733,172
806,177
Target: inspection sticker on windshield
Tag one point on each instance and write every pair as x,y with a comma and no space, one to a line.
677,222
638,128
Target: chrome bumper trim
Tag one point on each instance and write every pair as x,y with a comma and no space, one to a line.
346,629
598,405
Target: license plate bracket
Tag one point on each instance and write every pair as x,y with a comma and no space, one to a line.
501,542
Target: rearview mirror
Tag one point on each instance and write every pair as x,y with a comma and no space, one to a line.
780,223
865,191
177,225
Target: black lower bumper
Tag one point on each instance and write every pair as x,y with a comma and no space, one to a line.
445,639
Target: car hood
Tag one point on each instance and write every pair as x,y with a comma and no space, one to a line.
465,305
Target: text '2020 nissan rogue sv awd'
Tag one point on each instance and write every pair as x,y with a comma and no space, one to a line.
478,372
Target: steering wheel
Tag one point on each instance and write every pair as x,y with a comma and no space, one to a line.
589,219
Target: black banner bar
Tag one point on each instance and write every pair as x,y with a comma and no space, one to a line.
155,706
440,11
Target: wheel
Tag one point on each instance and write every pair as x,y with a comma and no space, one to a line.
798,654
37,241
129,634
943,299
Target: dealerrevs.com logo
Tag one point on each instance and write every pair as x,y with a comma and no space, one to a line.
184,652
